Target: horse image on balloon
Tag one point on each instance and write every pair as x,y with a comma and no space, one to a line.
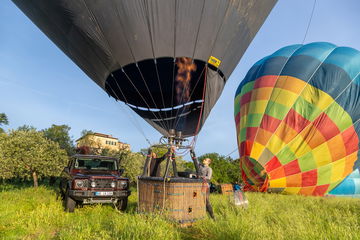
297,121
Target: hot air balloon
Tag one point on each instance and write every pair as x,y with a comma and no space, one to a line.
297,117
168,60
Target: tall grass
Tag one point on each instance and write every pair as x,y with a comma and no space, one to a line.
28,213
272,216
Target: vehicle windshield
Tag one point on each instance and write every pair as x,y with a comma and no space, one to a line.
95,164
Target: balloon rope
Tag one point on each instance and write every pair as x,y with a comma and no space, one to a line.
201,110
231,152
308,26
156,117
159,118
135,122
177,120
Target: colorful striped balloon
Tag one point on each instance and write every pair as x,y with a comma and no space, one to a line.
297,118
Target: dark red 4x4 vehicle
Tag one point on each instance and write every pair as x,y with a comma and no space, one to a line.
93,179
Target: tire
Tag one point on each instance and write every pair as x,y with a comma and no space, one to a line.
122,204
69,203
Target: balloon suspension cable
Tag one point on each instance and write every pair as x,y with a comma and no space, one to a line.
193,144
308,26
228,155
129,113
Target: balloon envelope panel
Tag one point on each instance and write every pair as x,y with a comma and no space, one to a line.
297,119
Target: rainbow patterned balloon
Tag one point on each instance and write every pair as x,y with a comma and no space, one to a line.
297,115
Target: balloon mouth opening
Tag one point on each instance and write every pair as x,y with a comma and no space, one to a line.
254,175
159,83
169,93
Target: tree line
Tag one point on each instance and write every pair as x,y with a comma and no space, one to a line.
30,154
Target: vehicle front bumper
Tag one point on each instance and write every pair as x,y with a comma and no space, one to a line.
90,196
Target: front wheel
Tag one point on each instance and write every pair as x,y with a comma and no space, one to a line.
69,203
122,204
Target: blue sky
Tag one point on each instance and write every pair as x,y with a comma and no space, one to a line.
40,86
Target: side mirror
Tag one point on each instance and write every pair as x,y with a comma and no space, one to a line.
121,171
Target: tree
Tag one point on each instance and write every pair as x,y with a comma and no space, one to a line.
159,151
3,121
60,134
7,167
225,170
28,154
185,166
85,132
26,128
133,164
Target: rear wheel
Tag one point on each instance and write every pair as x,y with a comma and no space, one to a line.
69,203
122,204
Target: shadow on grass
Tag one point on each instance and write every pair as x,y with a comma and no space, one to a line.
18,184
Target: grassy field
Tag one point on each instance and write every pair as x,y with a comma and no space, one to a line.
28,213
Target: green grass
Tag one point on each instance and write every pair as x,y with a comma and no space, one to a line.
28,213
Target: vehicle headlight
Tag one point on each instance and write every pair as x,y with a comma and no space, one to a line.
113,184
122,184
80,183
93,184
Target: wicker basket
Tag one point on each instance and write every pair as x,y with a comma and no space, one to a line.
227,189
181,199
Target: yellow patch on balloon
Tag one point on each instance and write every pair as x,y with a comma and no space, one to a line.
299,147
337,170
256,150
317,98
292,190
257,106
284,97
275,144
322,154
278,183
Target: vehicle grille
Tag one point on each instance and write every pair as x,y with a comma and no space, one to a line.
103,183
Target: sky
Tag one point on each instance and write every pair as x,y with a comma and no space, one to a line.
41,86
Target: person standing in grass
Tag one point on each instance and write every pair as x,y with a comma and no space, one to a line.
205,172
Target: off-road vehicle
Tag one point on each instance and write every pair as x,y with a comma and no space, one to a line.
93,179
